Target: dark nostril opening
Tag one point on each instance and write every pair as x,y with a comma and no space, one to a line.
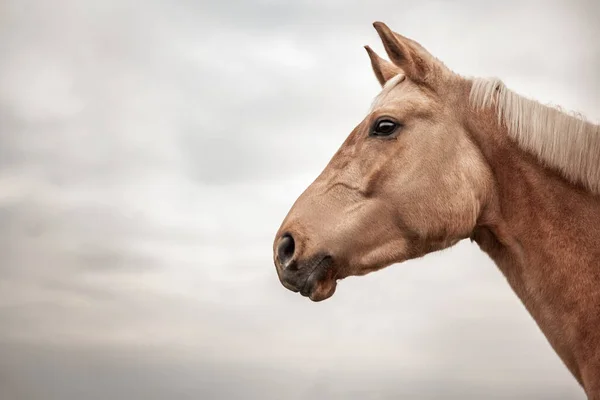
285,250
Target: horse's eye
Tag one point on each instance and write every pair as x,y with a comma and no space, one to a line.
384,127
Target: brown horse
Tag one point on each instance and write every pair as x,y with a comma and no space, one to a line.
441,158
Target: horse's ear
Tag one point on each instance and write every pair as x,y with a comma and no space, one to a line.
384,70
405,53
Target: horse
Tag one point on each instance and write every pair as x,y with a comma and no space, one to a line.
440,158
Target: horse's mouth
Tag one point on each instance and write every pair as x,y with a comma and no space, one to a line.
317,281
322,281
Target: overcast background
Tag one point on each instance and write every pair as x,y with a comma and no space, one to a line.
148,153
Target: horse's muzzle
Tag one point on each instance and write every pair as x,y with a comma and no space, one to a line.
313,277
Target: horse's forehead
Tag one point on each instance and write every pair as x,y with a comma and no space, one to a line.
398,89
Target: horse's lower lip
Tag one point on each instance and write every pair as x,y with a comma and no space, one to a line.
310,281
320,274
322,290
306,289
315,280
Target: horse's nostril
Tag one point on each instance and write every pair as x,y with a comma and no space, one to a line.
285,250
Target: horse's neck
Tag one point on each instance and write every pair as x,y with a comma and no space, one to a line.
544,235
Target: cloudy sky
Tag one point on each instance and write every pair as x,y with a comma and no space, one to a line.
148,153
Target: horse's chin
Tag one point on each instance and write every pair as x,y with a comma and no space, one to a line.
321,290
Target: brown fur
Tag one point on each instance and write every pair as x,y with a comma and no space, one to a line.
544,234
451,172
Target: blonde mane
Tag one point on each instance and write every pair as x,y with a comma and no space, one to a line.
567,142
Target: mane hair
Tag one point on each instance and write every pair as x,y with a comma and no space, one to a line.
564,141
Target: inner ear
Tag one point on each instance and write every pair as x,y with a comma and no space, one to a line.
383,69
